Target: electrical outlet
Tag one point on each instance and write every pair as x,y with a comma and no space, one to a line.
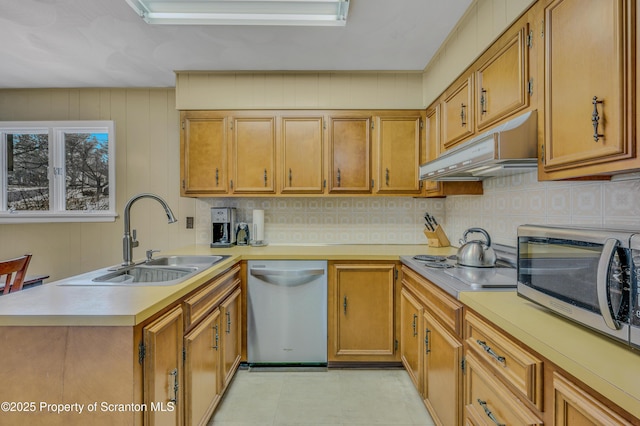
189,222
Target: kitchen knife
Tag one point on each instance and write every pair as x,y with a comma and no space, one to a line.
433,220
429,223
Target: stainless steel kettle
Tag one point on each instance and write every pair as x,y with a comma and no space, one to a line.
476,253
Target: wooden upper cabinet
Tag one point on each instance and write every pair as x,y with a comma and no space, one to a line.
434,188
350,154
457,113
589,97
204,159
254,151
502,81
302,146
398,153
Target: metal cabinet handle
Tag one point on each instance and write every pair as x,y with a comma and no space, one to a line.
490,351
386,176
426,341
290,177
344,305
483,101
338,177
216,337
488,412
217,177
176,385
265,177
228,322
415,326
462,115
595,119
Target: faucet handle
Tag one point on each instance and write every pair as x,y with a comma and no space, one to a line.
150,254
134,242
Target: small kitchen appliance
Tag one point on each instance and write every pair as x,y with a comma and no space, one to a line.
223,226
586,274
242,234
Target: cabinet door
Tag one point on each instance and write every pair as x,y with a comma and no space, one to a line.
350,155
411,336
231,326
442,372
302,155
573,406
588,107
398,146
457,114
502,82
202,369
362,309
204,154
254,147
432,145
163,369
489,402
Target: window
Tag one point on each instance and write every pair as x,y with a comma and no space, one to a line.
57,171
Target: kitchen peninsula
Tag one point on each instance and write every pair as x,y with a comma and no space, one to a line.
80,344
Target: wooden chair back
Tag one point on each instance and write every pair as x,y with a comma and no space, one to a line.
18,266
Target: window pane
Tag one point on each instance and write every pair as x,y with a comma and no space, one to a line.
87,171
27,167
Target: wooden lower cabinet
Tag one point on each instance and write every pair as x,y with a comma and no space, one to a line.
202,370
411,336
574,406
489,402
163,369
191,353
432,353
442,372
361,325
231,342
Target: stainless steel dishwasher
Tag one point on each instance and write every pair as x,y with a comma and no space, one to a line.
287,312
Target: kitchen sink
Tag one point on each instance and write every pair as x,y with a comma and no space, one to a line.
185,261
161,271
145,274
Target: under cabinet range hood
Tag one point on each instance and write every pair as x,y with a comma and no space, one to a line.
510,148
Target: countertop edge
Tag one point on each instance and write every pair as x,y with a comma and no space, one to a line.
626,394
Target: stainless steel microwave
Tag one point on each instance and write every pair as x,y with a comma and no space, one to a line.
586,274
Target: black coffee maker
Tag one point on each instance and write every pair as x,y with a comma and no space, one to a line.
223,226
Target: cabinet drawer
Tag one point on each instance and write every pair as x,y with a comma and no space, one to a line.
440,304
517,367
198,305
488,402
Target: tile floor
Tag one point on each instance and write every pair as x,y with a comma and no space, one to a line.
321,398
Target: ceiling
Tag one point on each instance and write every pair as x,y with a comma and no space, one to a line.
103,43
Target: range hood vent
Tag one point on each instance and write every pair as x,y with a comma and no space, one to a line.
508,149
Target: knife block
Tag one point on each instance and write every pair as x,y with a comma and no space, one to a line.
437,238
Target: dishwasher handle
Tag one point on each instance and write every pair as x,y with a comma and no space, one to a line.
286,277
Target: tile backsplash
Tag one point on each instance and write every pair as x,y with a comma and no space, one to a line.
510,201
342,220
507,202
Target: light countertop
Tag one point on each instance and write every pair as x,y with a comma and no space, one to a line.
99,305
604,365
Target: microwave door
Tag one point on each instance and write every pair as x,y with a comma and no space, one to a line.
612,283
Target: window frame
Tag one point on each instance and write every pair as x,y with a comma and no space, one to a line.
56,172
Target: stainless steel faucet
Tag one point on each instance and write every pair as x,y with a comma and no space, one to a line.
129,241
